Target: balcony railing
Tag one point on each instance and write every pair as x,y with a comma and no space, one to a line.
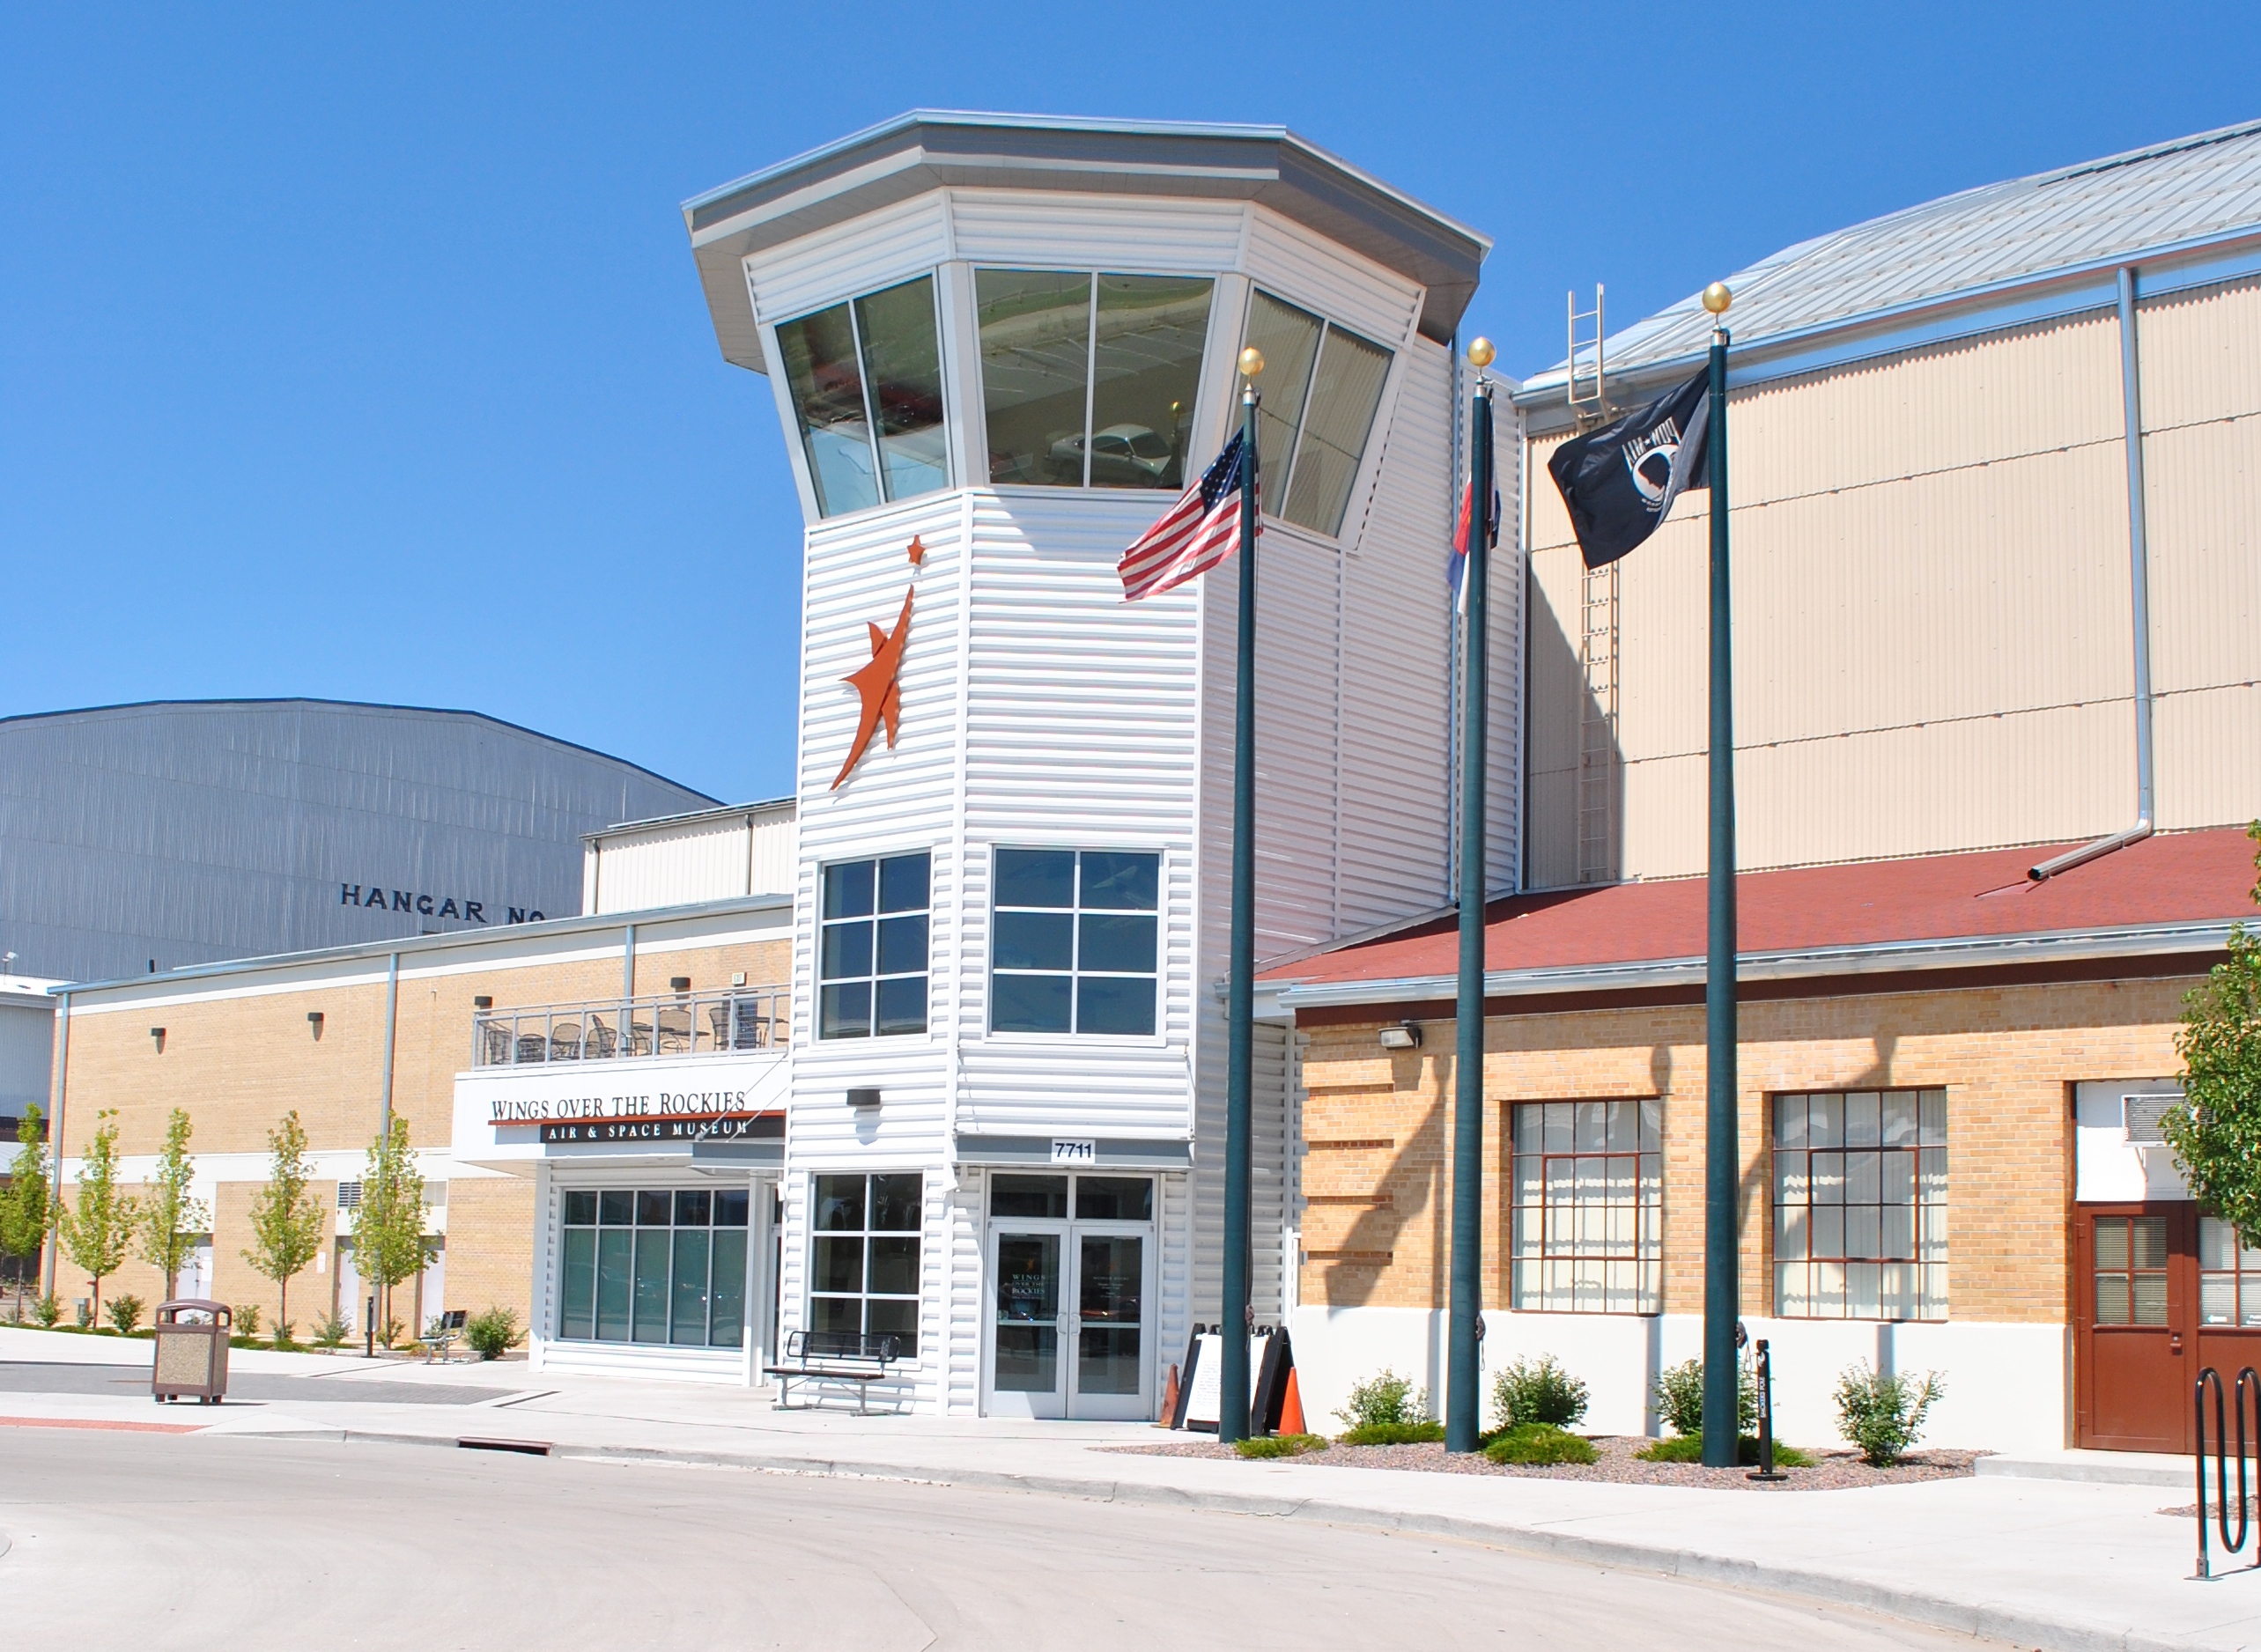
742,1020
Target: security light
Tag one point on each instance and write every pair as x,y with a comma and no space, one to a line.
1404,1035
863,1098
483,1002
678,984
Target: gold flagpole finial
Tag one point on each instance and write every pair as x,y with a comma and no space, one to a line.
1717,298
1252,362
1481,353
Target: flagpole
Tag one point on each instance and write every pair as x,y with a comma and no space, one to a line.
1240,990
1722,1147
1463,1421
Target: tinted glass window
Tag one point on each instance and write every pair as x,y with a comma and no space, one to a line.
866,383
1076,941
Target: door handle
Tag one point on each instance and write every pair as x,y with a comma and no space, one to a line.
2175,1342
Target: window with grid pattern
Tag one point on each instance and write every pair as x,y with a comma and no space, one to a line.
864,1257
1587,1231
2224,1267
1860,1205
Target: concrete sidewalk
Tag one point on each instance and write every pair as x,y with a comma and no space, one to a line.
2057,1564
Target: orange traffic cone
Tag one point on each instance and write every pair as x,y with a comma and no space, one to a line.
1291,1408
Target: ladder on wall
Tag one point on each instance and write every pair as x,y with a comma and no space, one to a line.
1598,754
1589,395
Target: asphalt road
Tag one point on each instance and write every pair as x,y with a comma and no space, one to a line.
154,1541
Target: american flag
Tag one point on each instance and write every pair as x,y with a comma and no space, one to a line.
1193,537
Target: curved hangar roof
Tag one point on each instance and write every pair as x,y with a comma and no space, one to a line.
190,831
929,149
2182,203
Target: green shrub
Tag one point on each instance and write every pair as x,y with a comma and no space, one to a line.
1882,1412
1679,1398
1280,1445
493,1334
1537,1390
47,1312
1688,1448
1539,1442
1374,1433
282,1330
124,1312
330,1331
247,1320
1383,1398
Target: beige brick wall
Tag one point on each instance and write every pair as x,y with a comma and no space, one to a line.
1376,1124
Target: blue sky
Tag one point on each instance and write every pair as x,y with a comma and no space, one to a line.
362,355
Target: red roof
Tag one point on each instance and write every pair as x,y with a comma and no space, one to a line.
2186,877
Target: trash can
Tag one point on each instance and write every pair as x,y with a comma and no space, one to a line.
191,1351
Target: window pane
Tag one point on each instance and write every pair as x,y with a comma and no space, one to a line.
653,1209
1118,1004
578,1285
894,1266
1147,364
837,1263
847,950
1035,877
2218,1298
1343,400
844,1011
2217,1244
903,1005
1122,882
1029,1003
1028,1195
1931,1118
1789,1121
729,1299
616,1208
827,392
903,365
847,890
1288,338
652,1284
1034,940
1529,1123
836,1313
903,945
2112,1299
1114,1198
1863,1119
730,1203
1899,1118
687,1316
902,881
1116,942
896,1319
2148,1238
1036,331
580,1207
840,1203
2111,1242
895,1204
2150,1293
693,1207
614,1252
1624,1125
1825,1122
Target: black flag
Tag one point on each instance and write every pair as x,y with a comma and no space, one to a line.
1620,482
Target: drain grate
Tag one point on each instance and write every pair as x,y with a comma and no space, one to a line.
524,1448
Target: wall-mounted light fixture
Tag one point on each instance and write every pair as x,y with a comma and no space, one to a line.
866,1097
739,979
158,1035
1405,1035
313,1020
678,984
484,1001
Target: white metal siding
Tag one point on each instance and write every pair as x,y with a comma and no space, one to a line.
1025,228
876,251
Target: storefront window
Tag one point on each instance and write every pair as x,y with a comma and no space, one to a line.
872,962
864,1263
1588,1228
866,380
1860,1205
1074,947
1087,381
1321,386
654,1265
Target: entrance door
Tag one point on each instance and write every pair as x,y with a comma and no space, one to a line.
2136,1320
1071,1330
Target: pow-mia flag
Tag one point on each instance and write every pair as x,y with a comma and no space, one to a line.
1620,482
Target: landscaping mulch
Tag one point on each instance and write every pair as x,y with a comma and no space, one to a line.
1833,1470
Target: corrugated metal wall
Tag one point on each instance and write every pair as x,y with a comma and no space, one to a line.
193,832
1931,607
706,857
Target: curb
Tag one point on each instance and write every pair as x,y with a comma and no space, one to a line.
1982,1619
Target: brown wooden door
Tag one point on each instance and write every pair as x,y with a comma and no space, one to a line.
2136,1324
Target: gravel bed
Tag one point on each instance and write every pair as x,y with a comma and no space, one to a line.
1833,1470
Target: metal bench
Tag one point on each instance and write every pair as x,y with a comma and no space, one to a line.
837,1356
440,1336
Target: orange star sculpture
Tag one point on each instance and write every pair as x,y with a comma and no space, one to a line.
882,693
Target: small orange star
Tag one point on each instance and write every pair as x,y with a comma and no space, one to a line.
918,551
877,683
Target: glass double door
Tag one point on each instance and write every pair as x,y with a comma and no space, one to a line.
1070,1330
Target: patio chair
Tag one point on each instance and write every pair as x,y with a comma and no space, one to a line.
494,1044
673,1029
598,1042
533,1047
565,1041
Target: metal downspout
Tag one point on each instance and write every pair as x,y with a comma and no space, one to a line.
55,1137
392,1020
2139,604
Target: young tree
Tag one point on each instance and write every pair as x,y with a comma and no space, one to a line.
25,1208
99,1224
2216,1130
389,1246
169,1219
285,1219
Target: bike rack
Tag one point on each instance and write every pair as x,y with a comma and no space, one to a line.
1767,1471
2247,1392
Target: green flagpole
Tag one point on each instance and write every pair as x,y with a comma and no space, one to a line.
1722,1147
1463,1422
1240,987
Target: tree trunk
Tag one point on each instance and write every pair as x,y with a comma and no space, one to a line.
283,1308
